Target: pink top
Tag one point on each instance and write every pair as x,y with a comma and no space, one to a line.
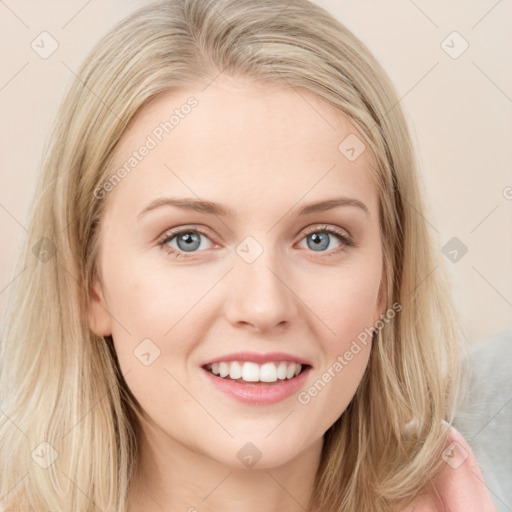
459,483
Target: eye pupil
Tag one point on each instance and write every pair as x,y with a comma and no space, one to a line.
189,239
320,240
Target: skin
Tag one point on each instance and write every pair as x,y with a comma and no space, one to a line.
263,152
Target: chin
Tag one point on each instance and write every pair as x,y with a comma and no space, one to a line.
258,452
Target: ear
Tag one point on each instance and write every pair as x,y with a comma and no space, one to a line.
98,316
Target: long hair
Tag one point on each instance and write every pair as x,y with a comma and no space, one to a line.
68,422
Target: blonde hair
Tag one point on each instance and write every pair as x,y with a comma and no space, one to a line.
60,384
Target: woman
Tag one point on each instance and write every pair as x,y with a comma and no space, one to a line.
231,299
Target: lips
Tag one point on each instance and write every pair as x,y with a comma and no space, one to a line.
257,378
256,357
258,393
256,367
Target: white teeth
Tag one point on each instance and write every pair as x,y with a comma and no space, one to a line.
223,369
235,370
250,372
253,372
268,372
281,370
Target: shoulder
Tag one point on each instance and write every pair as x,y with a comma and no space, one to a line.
459,485
460,482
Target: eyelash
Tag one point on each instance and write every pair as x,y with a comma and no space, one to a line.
345,240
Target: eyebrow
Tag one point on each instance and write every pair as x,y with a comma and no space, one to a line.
212,208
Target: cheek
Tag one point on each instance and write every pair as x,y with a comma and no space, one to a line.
349,312
354,304
345,348
149,299
160,312
346,301
347,305
156,312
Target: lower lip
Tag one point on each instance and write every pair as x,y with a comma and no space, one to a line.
257,392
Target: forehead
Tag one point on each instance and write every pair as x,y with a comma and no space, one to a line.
242,139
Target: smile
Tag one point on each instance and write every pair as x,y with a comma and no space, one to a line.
257,379
247,371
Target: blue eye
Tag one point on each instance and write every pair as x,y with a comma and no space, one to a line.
185,242
318,240
188,240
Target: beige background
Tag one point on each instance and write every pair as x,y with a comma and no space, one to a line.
459,110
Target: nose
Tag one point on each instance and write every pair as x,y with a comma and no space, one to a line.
260,295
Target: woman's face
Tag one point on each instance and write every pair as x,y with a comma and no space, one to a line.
259,279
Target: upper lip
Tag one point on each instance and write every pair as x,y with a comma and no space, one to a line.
259,358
